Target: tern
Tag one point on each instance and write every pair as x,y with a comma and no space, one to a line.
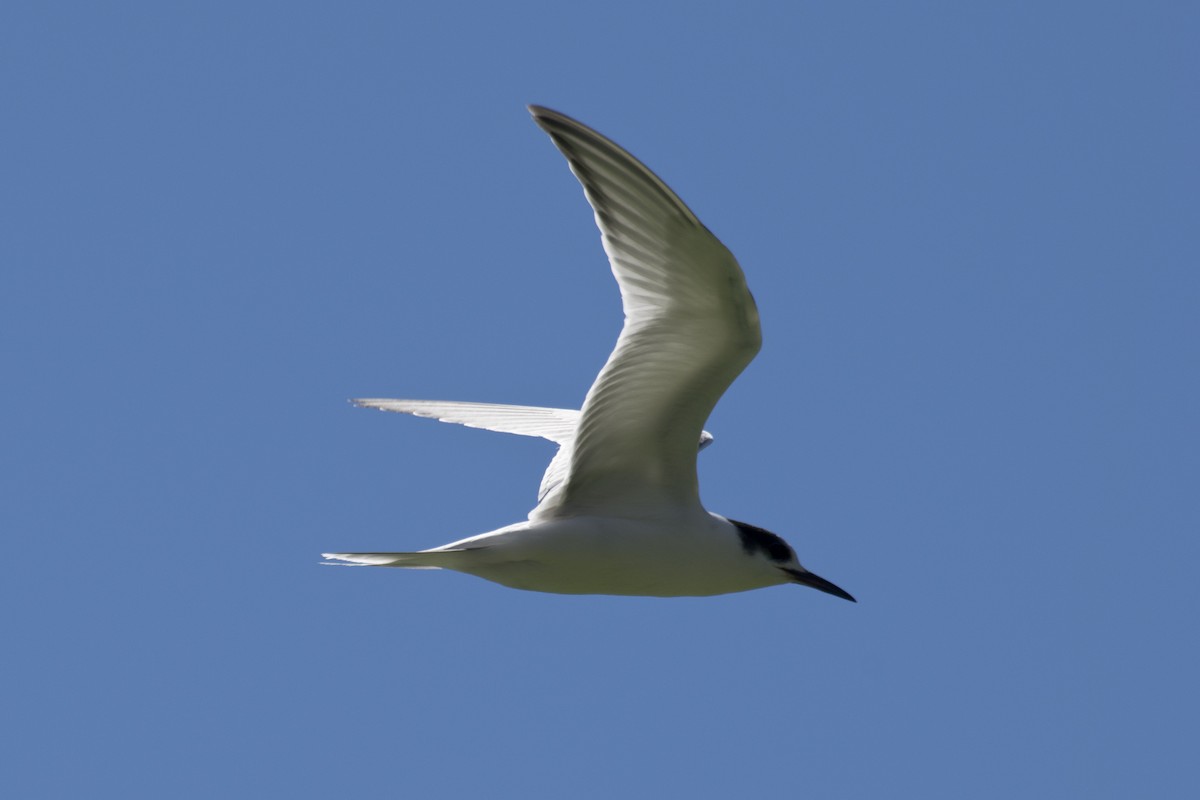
619,509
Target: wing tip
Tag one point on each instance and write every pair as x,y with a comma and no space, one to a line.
559,125
383,404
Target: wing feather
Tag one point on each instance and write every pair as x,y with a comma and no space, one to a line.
691,327
555,424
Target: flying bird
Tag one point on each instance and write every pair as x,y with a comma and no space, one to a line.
619,509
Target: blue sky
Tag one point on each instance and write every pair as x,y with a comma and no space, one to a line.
972,233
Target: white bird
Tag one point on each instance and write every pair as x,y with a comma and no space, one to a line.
619,507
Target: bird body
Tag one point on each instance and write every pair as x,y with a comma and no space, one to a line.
619,507
673,555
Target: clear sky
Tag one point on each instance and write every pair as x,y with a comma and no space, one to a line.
972,232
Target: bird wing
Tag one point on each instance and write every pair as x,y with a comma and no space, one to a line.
691,327
555,424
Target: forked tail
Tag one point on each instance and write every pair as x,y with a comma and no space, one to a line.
436,559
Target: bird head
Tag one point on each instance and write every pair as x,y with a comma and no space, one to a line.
762,543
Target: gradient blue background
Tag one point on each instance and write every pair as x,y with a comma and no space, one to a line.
972,233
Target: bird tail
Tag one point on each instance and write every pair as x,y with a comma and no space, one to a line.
429,559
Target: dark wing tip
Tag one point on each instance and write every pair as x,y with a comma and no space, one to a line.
548,118
542,111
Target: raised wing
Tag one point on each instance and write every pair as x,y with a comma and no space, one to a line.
691,327
556,424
